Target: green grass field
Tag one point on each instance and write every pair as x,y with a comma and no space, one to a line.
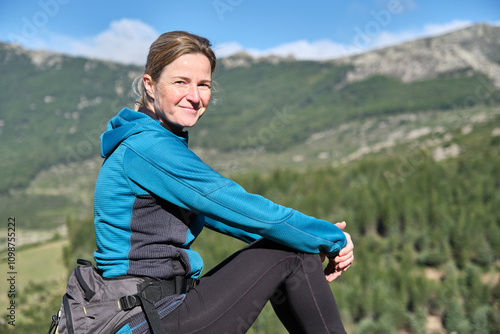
40,275
41,264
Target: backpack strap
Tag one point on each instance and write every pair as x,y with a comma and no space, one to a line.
151,291
88,292
67,312
152,316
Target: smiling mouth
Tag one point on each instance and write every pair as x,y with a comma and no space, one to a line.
189,109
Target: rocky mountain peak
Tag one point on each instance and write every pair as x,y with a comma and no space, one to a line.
476,48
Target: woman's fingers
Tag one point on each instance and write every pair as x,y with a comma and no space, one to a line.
333,276
346,255
341,225
332,271
342,261
348,247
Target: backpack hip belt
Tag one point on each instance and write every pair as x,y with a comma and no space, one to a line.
151,291
155,290
93,304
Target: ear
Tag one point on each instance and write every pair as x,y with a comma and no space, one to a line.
148,85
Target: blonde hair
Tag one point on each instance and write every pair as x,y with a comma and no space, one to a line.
166,49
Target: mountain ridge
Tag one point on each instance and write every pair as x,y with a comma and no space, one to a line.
55,106
464,45
476,47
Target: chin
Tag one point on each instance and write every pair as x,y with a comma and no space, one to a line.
190,123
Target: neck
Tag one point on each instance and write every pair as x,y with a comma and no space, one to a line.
175,129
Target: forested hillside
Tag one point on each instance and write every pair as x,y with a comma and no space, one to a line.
427,235
54,107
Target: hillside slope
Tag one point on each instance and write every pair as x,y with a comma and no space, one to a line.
54,107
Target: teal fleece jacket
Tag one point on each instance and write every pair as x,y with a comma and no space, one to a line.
153,197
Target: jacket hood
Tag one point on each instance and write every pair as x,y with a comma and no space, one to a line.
127,123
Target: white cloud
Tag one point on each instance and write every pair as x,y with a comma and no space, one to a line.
126,41
439,29
361,42
302,49
386,38
316,50
227,49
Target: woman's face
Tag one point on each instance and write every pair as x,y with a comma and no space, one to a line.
181,94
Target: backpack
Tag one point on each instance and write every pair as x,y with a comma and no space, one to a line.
93,304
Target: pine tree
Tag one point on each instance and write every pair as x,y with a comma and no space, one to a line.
455,320
479,323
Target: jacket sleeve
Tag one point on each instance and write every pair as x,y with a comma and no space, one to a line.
170,170
231,231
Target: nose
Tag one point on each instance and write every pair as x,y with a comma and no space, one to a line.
193,94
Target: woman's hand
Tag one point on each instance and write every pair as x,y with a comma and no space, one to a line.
342,261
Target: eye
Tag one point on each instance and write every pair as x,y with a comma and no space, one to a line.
204,85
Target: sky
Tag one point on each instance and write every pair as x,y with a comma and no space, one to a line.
317,30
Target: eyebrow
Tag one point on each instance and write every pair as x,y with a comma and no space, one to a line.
189,79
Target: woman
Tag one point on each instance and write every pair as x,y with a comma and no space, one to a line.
153,197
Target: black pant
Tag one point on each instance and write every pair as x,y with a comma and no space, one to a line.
229,298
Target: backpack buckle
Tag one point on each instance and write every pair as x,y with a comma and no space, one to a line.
129,302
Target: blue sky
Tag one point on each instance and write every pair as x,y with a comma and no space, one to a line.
321,29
